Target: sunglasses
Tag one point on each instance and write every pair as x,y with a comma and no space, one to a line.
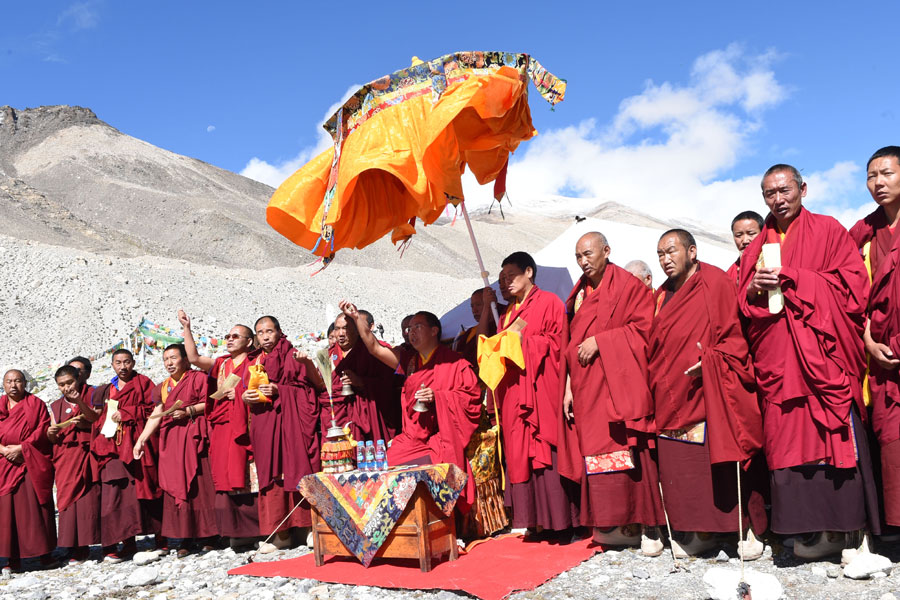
234,336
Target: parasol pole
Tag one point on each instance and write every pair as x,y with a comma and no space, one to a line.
484,273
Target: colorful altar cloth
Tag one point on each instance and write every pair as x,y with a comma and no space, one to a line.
363,507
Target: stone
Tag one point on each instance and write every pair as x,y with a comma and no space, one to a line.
144,558
142,576
160,597
865,564
722,556
600,580
820,571
722,584
23,583
319,591
888,596
640,573
833,572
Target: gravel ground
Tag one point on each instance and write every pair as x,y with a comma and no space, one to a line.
609,575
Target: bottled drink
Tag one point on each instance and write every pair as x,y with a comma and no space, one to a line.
361,456
380,456
370,456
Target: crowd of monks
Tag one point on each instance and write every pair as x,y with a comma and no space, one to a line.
758,401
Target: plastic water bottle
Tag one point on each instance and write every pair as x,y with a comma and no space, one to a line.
380,456
370,456
361,456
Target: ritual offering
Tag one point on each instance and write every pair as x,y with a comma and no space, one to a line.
338,450
258,377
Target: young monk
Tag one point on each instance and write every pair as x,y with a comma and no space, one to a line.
184,473
77,474
130,498
27,524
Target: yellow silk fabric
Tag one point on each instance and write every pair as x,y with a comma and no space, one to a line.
258,377
406,160
495,352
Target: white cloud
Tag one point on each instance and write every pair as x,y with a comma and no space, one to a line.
274,174
80,15
210,128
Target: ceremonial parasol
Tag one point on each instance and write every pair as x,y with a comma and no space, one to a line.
401,145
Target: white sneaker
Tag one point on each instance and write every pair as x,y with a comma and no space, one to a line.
694,543
750,548
651,542
826,543
626,535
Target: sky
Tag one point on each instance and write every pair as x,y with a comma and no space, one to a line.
675,109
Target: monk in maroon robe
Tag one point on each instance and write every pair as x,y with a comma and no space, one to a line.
184,473
441,379
876,237
467,341
362,388
130,498
706,410
77,474
227,418
27,524
607,440
530,404
744,229
284,431
808,352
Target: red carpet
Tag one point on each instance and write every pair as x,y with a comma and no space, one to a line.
491,570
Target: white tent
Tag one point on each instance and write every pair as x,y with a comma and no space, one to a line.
558,271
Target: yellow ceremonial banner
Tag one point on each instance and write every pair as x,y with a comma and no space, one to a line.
258,377
495,352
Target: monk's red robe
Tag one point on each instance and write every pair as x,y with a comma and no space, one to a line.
27,524
135,405
611,401
228,427
529,399
699,483
375,408
880,248
734,271
442,433
184,472
77,477
809,358
284,434
468,345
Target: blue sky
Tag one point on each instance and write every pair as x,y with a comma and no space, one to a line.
675,108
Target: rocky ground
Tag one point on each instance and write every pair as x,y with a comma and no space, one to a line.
609,575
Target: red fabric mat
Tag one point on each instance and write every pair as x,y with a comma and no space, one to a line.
491,570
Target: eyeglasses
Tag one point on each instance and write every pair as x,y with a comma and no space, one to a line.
235,336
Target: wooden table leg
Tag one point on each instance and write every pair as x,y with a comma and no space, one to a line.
421,512
454,549
317,543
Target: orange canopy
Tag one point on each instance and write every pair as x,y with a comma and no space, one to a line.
401,145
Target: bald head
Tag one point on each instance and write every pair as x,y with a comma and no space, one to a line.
592,255
14,384
642,271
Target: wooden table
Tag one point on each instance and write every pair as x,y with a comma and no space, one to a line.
422,531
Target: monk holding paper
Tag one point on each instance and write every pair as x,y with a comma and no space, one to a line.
804,289
77,474
227,418
130,498
527,390
27,524
184,472
877,238
606,440
706,410
284,429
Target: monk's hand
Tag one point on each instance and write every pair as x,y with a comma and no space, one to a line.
883,355
52,432
13,454
250,397
269,390
425,395
138,451
79,422
184,319
763,280
178,414
352,378
230,394
568,408
587,351
696,369
349,309
300,356
115,417
488,295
